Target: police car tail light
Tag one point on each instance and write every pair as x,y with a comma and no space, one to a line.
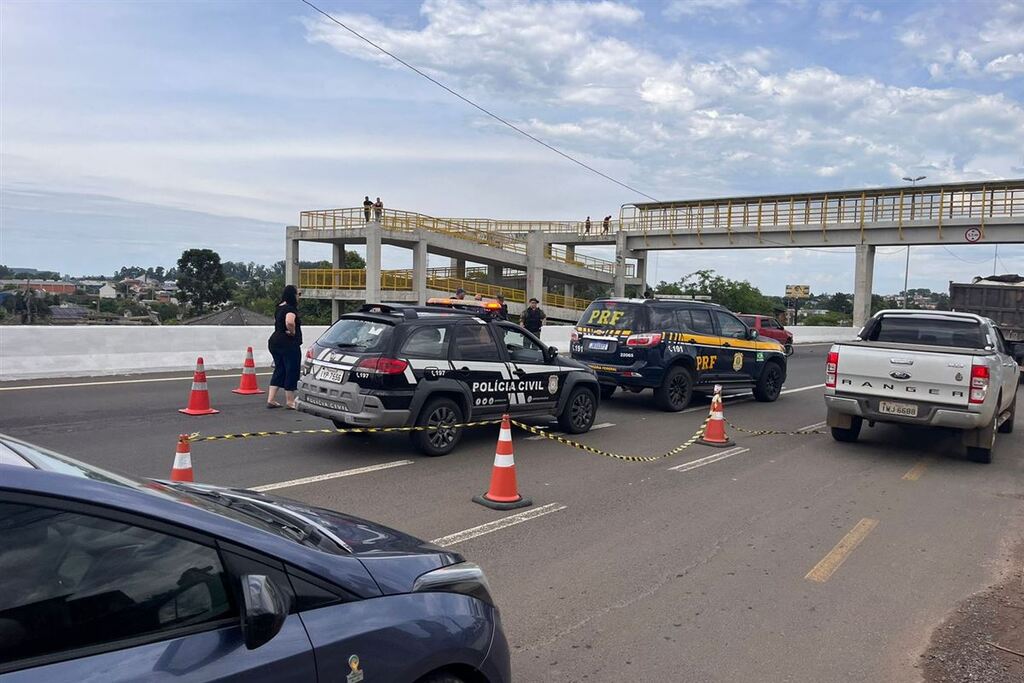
979,383
831,369
644,340
383,366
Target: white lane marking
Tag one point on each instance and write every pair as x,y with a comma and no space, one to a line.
119,381
816,425
694,464
793,391
597,426
498,524
330,475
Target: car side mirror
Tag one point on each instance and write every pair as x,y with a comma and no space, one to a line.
550,353
1017,350
752,334
264,609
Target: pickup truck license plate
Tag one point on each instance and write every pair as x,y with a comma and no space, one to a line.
892,408
598,346
331,375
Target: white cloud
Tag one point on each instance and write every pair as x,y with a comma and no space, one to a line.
862,13
678,9
1007,66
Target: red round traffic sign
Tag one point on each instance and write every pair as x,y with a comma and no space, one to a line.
972,234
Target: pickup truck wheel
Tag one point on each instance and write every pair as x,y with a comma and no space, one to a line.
440,413
769,386
848,435
675,391
606,391
789,349
579,411
983,454
1007,426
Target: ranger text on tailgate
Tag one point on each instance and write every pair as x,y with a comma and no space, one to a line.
676,348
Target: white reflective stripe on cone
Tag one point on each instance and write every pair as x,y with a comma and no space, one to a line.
182,461
505,434
199,386
503,460
248,371
716,416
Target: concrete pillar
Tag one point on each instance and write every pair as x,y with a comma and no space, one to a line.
373,263
569,288
337,262
641,270
864,272
419,271
570,252
458,265
619,281
535,266
291,261
495,274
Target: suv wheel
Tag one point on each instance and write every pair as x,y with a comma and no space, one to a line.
607,390
440,413
675,391
579,412
769,385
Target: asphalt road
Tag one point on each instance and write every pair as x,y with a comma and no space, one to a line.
788,558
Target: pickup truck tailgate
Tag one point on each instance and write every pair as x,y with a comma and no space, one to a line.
930,376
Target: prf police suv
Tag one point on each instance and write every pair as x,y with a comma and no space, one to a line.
676,348
440,365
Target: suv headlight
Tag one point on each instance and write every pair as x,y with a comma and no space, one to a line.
466,578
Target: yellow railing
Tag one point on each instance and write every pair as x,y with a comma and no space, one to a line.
566,301
352,278
474,287
561,254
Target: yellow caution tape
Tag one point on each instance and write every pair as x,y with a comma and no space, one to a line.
608,454
195,437
772,432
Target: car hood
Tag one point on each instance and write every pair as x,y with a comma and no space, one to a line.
393,558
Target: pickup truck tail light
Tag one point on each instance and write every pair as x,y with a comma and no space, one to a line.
382,365
831,369
644,340
979,383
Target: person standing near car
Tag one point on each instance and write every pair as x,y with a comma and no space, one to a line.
533,317
285,345
503,311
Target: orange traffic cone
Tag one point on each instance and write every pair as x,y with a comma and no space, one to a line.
503,493
181,470
714,433
247,384
199,399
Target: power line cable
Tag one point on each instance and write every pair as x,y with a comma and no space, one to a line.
973,263
477,106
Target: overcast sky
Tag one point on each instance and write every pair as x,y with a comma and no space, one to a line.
131,131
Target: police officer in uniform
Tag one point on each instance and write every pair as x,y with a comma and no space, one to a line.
533,317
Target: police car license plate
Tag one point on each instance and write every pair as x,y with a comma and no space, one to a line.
331,375
902,409
598,345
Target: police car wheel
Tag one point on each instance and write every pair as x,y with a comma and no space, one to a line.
607,390
441,413
579,412
770,384
676,390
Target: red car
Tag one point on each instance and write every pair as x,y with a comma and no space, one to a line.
768,326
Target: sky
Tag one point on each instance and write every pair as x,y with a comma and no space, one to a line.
130,131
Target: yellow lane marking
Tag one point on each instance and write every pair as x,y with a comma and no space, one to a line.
915,472
824,570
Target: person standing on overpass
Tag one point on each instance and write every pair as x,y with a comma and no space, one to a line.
285,345
533,317
378,210
367,205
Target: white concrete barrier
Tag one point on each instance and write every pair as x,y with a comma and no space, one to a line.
33,352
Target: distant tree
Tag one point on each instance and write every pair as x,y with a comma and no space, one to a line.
840,303
165,312
201,280
5,272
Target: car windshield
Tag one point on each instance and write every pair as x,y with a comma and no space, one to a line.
357,333
963,334
748,320
613,315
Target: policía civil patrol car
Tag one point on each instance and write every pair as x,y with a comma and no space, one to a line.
676,348
447,363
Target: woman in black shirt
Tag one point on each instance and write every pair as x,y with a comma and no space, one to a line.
286,347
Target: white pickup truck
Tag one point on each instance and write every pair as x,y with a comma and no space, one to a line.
929,368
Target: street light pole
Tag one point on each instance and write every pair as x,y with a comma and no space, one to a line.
906,269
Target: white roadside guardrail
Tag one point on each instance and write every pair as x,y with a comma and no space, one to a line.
37,352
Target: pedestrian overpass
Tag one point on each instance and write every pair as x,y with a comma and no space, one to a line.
544,252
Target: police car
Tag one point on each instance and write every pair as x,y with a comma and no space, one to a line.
676,348
447,363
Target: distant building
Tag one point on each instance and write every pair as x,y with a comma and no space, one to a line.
49,286
231,316
68,314
107,291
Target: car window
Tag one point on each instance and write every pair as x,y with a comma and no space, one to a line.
964,334
427,342
1000,341
751,321
770,324
520,347
614,315
683,321
474,342
730,326
663,318
355,333
702,321
72,581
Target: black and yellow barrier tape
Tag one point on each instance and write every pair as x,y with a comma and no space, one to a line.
772,432
608,454
196,436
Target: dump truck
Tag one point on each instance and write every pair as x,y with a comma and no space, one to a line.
998,297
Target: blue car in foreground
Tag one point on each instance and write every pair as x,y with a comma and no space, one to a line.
110,578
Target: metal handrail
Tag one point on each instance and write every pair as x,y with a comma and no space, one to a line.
570,302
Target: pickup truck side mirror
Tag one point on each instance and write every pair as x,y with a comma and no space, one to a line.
752,333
